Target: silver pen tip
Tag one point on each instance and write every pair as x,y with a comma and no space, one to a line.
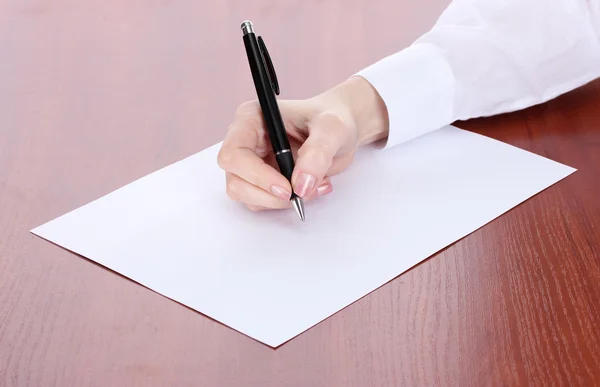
299,207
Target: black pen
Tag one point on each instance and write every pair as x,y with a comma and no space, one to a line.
267,87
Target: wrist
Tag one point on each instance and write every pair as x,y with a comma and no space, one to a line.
366,107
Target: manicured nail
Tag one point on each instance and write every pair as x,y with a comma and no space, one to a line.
281,192
304,184
324,189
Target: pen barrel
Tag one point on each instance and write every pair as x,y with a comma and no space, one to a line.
266,95
285,161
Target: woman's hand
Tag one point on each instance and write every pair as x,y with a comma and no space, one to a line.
324,133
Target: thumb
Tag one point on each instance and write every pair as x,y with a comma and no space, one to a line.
327,135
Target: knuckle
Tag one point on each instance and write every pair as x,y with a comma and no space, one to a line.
247,107
223,159
339,131
233,189
336,128
334,118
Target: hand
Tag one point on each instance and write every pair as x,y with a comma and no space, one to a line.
324,133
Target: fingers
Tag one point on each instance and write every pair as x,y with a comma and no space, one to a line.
240,156
257,199
245,131
254,197
324,188
245,164
252,181
328,134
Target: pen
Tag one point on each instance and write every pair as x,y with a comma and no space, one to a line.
267,88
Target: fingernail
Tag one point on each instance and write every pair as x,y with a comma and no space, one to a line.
281,192
304,184
324,189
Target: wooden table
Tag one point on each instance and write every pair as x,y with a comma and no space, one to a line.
97,93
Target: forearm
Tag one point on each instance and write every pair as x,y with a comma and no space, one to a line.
483,57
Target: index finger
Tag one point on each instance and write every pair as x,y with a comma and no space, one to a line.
245,132
240,156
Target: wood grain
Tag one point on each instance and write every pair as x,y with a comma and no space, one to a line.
94,94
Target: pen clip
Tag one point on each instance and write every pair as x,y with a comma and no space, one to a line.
269,65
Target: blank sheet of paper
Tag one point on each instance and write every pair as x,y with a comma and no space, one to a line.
270,276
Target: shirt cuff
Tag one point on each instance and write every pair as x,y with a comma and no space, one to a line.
418,88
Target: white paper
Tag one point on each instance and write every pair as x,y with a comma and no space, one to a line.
270,276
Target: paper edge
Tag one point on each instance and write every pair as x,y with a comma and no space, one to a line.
90,201
521,149
136,282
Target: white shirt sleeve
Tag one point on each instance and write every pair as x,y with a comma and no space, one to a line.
486,57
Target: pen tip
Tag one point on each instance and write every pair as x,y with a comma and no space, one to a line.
299,207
